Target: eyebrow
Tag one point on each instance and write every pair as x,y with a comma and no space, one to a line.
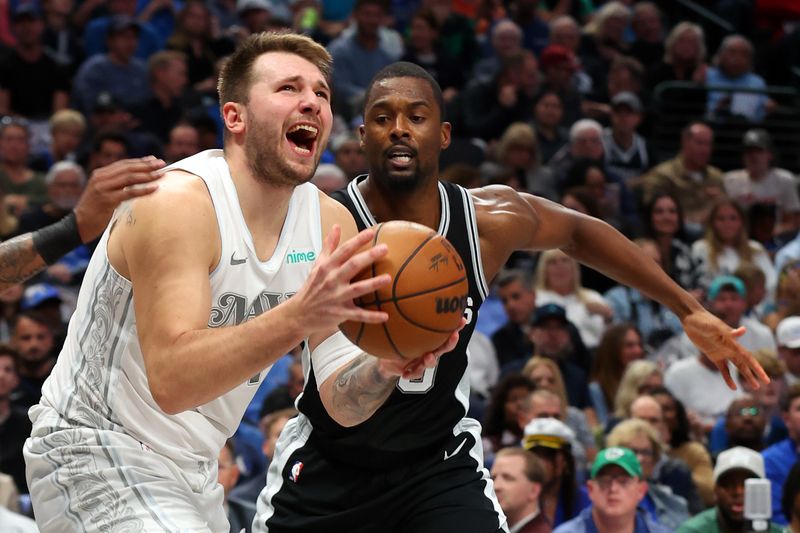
384,102
298,78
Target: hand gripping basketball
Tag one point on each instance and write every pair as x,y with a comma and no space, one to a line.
425,300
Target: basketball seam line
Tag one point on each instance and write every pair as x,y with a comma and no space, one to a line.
378,301
414,322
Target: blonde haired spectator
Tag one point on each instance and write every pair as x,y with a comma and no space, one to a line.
639,377
558,281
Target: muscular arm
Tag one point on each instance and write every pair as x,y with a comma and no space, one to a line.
503,213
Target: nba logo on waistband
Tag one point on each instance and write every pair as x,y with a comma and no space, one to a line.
297,467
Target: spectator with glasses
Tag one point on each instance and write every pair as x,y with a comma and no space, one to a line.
662,502
616,488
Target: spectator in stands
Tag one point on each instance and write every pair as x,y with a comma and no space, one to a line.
117,71
734,70
787,335
34,85
745,424
33,341
726,245
558,66
501,427
696,382
15,426
517,151
457,32
165,107
255,16
359,56
348,154
644,441
194,37
22,185
684,56
779,457
605,40
620,345
487,107
663,222
689,176
733,467
767,400
551,338
107,148
548,111
506,40
65,183
640,377
760,183
681,447
271,427
787,295
585,141
183,141
648,44
685,480
329,178
61,38
240,514
285,395
592,174
655,322
558,281
67,128
755,284
626,152
535,30
551,441
758,336
546,375
424,48
518,477
95,41
616,488
790,504
542,403
516,292
564,31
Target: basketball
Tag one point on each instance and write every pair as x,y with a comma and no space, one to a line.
425,299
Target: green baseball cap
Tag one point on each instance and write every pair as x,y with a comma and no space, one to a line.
622,457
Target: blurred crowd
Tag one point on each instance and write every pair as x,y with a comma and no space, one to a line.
595,405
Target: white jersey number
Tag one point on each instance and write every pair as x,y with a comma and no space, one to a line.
425,383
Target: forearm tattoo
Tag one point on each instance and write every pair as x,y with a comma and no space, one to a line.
360,389
19,260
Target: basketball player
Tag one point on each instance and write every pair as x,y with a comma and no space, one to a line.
186,303
28,254
374,453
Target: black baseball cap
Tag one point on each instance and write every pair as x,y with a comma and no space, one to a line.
549,311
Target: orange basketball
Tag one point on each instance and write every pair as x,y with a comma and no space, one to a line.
425,299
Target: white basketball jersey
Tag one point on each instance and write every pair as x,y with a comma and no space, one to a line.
99,380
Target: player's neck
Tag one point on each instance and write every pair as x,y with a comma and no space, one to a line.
422,205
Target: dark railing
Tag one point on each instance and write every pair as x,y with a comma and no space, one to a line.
675,104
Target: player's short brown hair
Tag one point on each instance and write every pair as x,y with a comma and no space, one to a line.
235,78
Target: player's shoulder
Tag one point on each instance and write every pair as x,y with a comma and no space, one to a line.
333,212
178,190
496,203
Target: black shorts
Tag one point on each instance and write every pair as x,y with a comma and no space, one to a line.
446,491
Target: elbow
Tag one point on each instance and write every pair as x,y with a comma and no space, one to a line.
166,394
346,421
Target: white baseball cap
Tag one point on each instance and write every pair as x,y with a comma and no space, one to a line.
739,457
788,332
547,433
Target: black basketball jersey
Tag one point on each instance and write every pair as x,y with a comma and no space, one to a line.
420,414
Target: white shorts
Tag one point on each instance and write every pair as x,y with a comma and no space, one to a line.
91,480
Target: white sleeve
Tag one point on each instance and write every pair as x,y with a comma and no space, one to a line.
331,354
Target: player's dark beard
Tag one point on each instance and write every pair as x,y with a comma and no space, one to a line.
265,160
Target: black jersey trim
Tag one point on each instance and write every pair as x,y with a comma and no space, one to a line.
359,203
444,221
474,243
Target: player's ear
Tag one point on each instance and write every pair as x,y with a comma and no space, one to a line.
233,115
446,127
361,131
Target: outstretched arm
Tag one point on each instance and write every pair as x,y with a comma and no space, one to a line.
501,211
28,254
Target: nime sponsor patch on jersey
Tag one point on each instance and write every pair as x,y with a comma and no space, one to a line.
301,256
